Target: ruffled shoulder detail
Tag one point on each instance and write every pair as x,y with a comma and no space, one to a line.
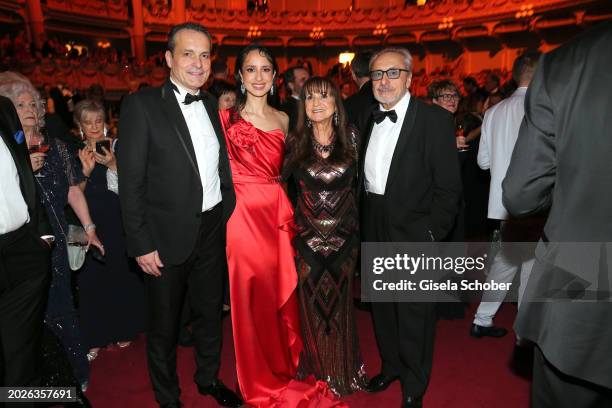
239,132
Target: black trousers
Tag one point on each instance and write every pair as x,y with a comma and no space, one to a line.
551,388
200,278
25,273
405,331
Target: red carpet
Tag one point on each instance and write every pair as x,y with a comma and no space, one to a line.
467,372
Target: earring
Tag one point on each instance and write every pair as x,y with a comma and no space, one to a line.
336,118
308,123
272,90
82,134
242,88
105,131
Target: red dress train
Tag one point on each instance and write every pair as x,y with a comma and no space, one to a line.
262,274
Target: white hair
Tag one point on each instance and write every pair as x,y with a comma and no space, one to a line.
396,50
13,84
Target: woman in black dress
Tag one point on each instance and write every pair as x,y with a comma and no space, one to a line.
111,294
57,177
322,159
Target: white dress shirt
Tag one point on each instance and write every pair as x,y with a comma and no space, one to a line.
500,129
13,208
381,147
205,145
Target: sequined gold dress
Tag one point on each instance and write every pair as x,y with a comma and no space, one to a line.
327,245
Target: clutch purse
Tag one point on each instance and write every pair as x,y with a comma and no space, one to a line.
76,241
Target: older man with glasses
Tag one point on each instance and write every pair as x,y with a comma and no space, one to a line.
411,192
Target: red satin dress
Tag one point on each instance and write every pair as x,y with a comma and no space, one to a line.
262,274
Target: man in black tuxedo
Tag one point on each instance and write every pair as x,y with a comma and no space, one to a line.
25,258
294,78
561,161
358,105
411,191
176,196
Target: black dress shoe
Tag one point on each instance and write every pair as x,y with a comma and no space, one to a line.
379,383
492,331
412,402
176,404
223,396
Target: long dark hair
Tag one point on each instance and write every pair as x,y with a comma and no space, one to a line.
299,144
264,52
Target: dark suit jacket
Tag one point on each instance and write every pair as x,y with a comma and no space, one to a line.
290,107
9,125
359,105
562,160
159,182
423,190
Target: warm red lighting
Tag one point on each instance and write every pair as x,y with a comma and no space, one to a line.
526,11
104,44
254,32
317,33
446,24
381,29
345,58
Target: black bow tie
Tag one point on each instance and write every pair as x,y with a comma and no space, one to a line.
193,98
379,115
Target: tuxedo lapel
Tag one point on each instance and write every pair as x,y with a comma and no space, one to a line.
177,121
364,148
404,137
213,114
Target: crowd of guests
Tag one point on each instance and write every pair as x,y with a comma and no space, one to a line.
277,190
107,308
17,49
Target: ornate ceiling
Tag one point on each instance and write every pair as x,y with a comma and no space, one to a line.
338,26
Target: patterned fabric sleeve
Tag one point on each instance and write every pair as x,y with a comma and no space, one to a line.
353,136
74,175
112,181
112,177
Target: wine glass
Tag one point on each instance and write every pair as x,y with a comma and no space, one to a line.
38,144
459,133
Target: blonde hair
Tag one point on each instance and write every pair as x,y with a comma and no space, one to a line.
87,105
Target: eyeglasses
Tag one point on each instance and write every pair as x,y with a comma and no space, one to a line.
392,73
448,97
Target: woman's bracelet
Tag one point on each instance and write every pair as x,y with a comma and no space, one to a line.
89,227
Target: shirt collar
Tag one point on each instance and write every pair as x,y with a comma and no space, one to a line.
400,108
180,90
521,90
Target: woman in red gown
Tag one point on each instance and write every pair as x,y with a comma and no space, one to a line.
262,275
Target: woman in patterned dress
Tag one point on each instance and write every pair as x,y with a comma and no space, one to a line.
322,159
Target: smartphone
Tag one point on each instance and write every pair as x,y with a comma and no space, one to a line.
105,144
